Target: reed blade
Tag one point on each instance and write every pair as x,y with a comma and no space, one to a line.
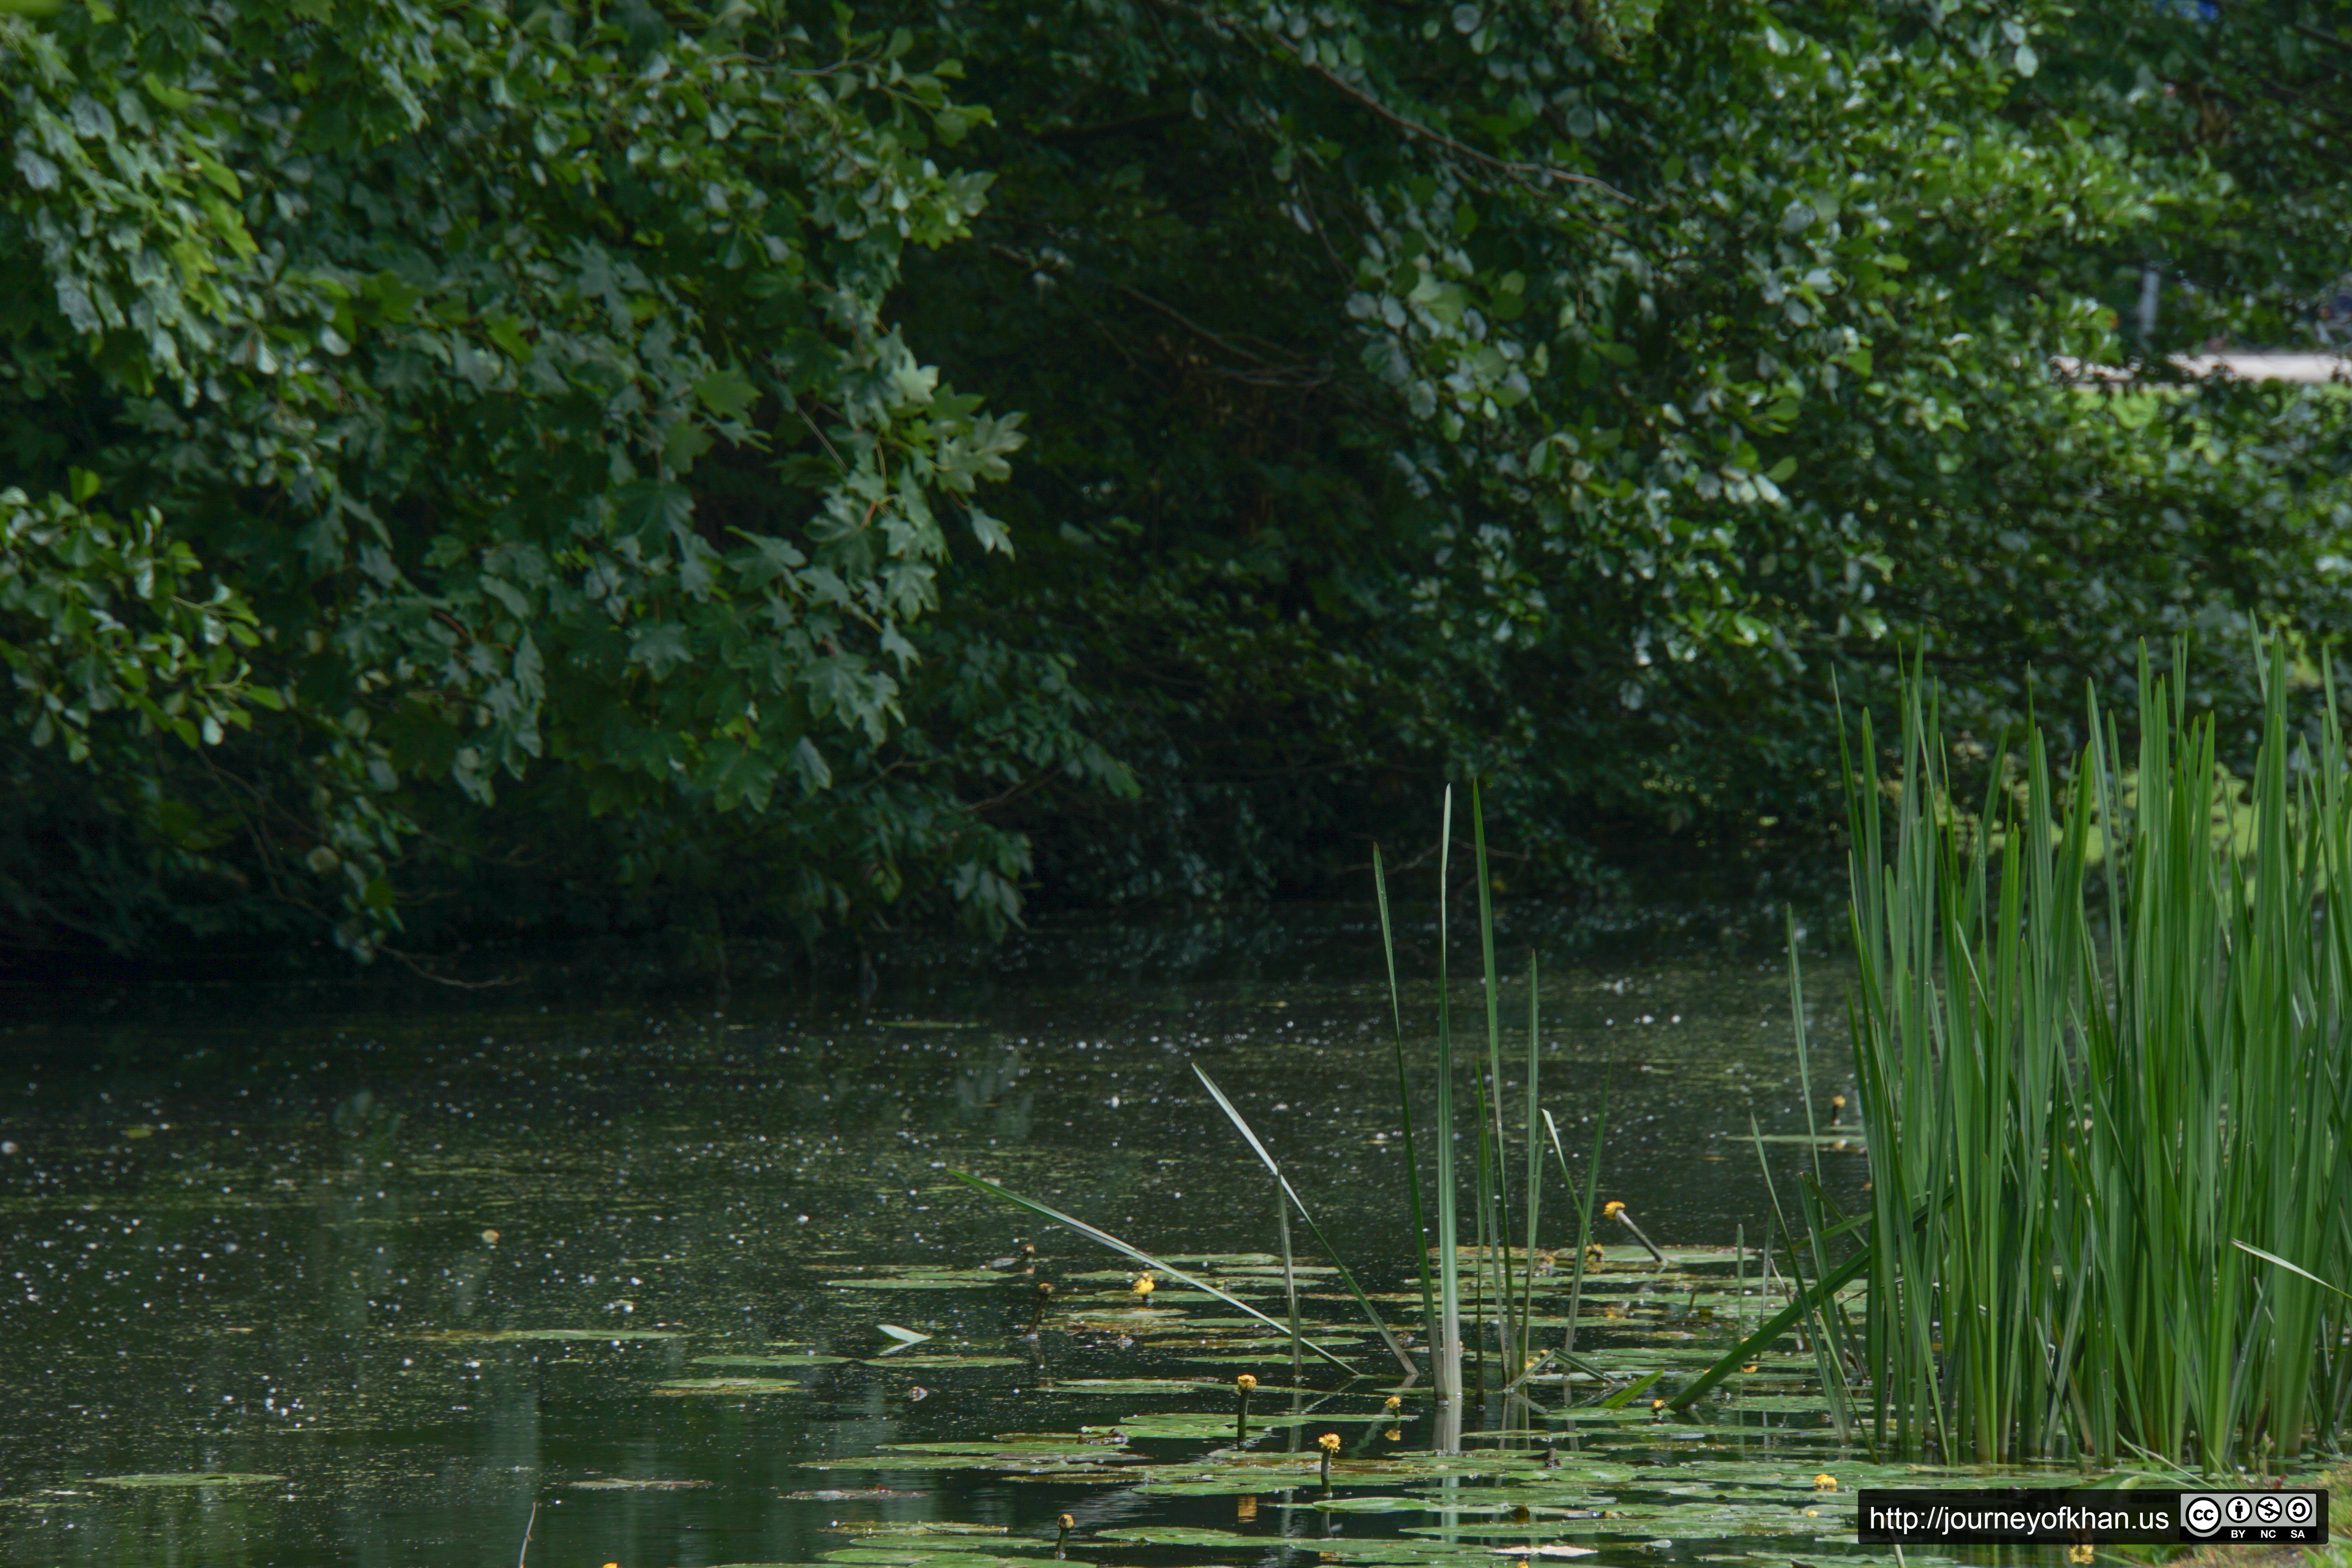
1446,1364
1583,1201
1265,1158
1494,1206
1430,1335
1780,1323
2282,1263
1105,1238
1289,1275
1533,1186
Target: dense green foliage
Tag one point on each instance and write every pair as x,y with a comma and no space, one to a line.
1412,447
526,381
552,502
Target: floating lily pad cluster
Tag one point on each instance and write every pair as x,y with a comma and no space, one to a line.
1141,1388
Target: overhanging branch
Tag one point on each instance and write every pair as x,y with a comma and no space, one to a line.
1541,173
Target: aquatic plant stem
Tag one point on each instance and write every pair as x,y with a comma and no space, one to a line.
1624,1216
1583,1200
1430,1333
1494,1199
1289,1276
1534,1185
1446,1364
1479,1252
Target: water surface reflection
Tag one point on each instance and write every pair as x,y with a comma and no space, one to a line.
298,1241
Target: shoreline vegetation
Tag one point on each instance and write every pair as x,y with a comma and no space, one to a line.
2108,1117
548,470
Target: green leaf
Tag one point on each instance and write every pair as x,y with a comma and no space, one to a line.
727,392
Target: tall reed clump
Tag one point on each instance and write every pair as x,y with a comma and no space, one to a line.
1503,1287
2109,1118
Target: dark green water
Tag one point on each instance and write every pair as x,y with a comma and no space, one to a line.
291,1234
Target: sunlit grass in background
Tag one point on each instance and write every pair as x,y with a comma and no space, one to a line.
2108,1123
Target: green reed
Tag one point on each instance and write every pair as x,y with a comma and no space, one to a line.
1503,1285
2109,1120
1496,1276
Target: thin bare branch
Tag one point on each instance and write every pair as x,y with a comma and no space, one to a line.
1541,173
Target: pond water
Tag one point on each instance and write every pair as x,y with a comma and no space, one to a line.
376,1274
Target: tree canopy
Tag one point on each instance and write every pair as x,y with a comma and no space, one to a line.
477,466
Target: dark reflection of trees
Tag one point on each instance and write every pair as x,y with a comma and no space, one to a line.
986,1096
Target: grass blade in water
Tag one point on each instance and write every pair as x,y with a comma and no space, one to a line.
1583,1200
1780,1323
1404,1111
1494,1190
1257,1147
1446,1366
1105,1238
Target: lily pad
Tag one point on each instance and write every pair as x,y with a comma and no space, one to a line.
1031,1454
963,1280
1230,1472
1274,1270
1798,1474
1255,1329
920,1554
1272,1351
631,1484
503,1336
1794,1403
948,1361
1688,1521
1649,1357
911,1462
1391,1504
963,1550
1189,1423
925,1527
1574,1470
1178,1535
188,1479
724,1385
779,1362
1079,1449
1412,1554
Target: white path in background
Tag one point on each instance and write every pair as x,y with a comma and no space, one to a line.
2310,369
